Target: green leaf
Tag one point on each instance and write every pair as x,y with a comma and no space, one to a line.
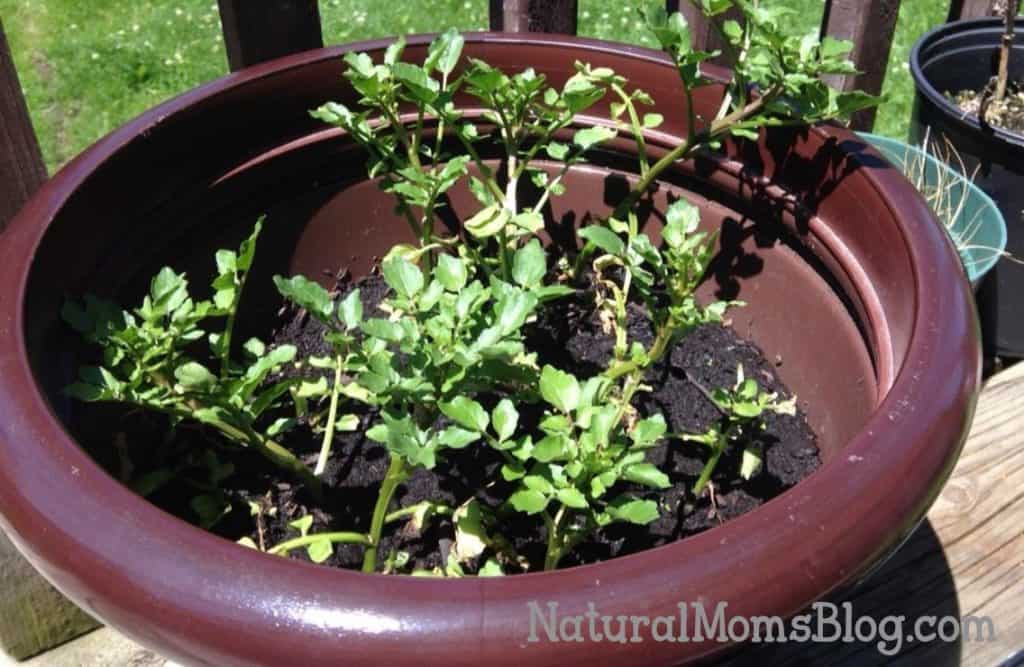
652,120
308,389
648,475
351,310
403,276
451,272
647,431
383,329
528,501
856,100
751,462
164,286
529,264
86,392
194,376
580,93
551,292
470,536
394,51
307,294
539,484
572,498
457,438
551,448
559,388
746,409
445,51
505,418
320,550
684,216
733,31
488,222
466,412
255,347
512,471
603,238
832,48
557,150
302,524
530,221
420,86
346,423
640,512
715,7
360,63
491,568
513,310
592,136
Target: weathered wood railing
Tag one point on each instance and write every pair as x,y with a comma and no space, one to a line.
32,616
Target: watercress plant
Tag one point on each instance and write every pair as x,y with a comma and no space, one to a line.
442,362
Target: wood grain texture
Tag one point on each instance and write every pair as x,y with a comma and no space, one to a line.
259,30
870,25
966,559
557,16
21,163
972,9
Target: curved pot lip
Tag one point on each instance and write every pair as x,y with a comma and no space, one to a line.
926,399
925,87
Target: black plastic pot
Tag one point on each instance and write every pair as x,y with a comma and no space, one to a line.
955,57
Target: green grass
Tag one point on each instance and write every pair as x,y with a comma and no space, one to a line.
87,66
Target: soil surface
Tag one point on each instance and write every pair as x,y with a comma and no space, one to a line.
567,334
1007,113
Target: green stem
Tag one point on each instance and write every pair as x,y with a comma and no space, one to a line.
654,355
282,458
332,414
398,515
685,149
485,172
397,473
555,543
269,449
638,129
305,541
506,262
709,467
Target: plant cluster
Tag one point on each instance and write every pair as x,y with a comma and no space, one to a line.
444,366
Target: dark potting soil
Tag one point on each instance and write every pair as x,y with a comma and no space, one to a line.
1007,113
567,334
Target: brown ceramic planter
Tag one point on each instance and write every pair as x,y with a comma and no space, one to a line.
849,280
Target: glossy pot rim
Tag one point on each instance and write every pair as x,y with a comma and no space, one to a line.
804,544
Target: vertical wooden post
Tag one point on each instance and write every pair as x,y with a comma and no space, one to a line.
972,9
557,16
703,33
870,25
259,30
21,164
